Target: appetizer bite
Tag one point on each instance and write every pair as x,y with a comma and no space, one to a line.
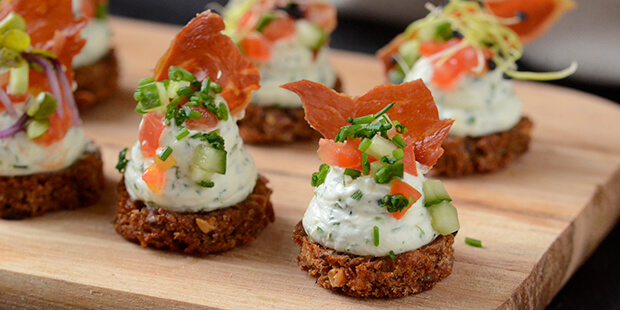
96,66
190,185
46,163
376,227
466,56
288,41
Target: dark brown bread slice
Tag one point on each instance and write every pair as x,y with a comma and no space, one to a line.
97,81
379,277
269,124
78,185
467,155
202,233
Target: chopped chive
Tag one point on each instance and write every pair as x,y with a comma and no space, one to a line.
165,154
145,81
398,154
364,145
394,203
320,230
216,88
122,160
182,134
388,172
365,164
357,195
194,115
400,128
179,74
20,166
363,120
473,242
375,232
399,141
207,184
318,178
392,256
222,112
352,173
186,92
384,110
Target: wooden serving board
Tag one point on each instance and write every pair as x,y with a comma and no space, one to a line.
538,220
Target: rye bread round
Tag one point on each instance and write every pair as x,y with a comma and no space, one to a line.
378,277
97,81
468,155
201,233
76,186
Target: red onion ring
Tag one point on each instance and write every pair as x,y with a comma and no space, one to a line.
8,104
68,94
15,128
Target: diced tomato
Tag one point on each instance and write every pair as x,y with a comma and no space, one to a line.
249,19
344,155
207,121
279,28
464,61
256,48
150,131
323,15
401,187
153,176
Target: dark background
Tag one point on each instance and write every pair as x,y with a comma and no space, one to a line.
596,285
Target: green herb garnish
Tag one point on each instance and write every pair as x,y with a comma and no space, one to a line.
352,173
165,153
394,203
473,242
392,256
375,233
318,178
213,137
357,195
122,160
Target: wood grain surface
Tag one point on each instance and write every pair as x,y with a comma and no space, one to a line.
538,220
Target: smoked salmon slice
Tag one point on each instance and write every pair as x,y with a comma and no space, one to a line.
327,111
203,50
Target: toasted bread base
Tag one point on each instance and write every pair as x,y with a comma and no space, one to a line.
97,81
467,155
202,233
76,186
378,277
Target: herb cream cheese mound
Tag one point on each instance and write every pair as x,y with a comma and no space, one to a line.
372,202
46,163
287,40
97,32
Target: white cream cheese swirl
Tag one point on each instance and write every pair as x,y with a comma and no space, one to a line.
291,61
340,222
98,37
20,155
478,105
180,193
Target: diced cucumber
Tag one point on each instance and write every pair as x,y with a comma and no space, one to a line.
210,159
434,192
410,51
310,35
174,87
163,94
200,175
375,166
444,218
379,147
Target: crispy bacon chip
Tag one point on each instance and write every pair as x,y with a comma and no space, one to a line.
52,26
203,50
327,110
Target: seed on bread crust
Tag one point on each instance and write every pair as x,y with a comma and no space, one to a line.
202,233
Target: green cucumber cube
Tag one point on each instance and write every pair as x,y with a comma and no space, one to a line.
210,159
379,147
434,193
310,35
444,218
200,175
